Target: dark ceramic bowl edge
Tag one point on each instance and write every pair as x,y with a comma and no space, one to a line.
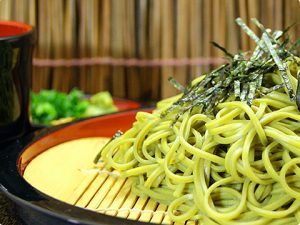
57,211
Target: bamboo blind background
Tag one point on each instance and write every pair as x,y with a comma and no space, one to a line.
115,39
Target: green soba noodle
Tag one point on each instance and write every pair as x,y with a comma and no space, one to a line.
238,165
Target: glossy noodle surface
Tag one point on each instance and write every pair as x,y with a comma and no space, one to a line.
240,167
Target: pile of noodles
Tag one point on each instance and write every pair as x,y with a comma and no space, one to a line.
236,166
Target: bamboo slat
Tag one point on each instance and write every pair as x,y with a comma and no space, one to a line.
267,13
154,48
219,26
244,42
84,46
216,15
134,86
231,25
142,38
41,76
18,11
142,30
69,42
88,188
278,19
182,37
57,26
195,36
167,40
5,10
105,78
207,31
32,12
117,36
94,81
253,12
291,15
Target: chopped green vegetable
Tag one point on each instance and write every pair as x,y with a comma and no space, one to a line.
49,105
101,103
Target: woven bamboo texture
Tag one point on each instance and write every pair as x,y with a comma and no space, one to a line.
131,47
65,173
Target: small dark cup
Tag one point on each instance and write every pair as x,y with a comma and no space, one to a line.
16,47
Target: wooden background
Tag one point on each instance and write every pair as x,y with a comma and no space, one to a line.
131,47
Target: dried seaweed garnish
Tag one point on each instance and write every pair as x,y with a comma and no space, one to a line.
248,31
251,92
295,46
116,135
222,49
274,88
298,91
281,65
176,85
243,78
237,88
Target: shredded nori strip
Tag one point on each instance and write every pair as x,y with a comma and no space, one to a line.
243,77
298,91
222,49
281,65
248,31
176,85
116,135
295,46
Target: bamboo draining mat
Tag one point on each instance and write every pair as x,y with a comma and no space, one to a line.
107,32
64,172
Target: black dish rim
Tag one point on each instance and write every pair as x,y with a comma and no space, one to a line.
25,196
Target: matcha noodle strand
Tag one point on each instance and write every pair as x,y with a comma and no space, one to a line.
238,167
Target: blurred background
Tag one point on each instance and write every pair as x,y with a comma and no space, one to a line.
131,47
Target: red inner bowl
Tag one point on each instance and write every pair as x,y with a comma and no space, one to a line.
12,28
103,126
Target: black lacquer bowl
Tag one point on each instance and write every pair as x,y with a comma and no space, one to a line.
35,207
